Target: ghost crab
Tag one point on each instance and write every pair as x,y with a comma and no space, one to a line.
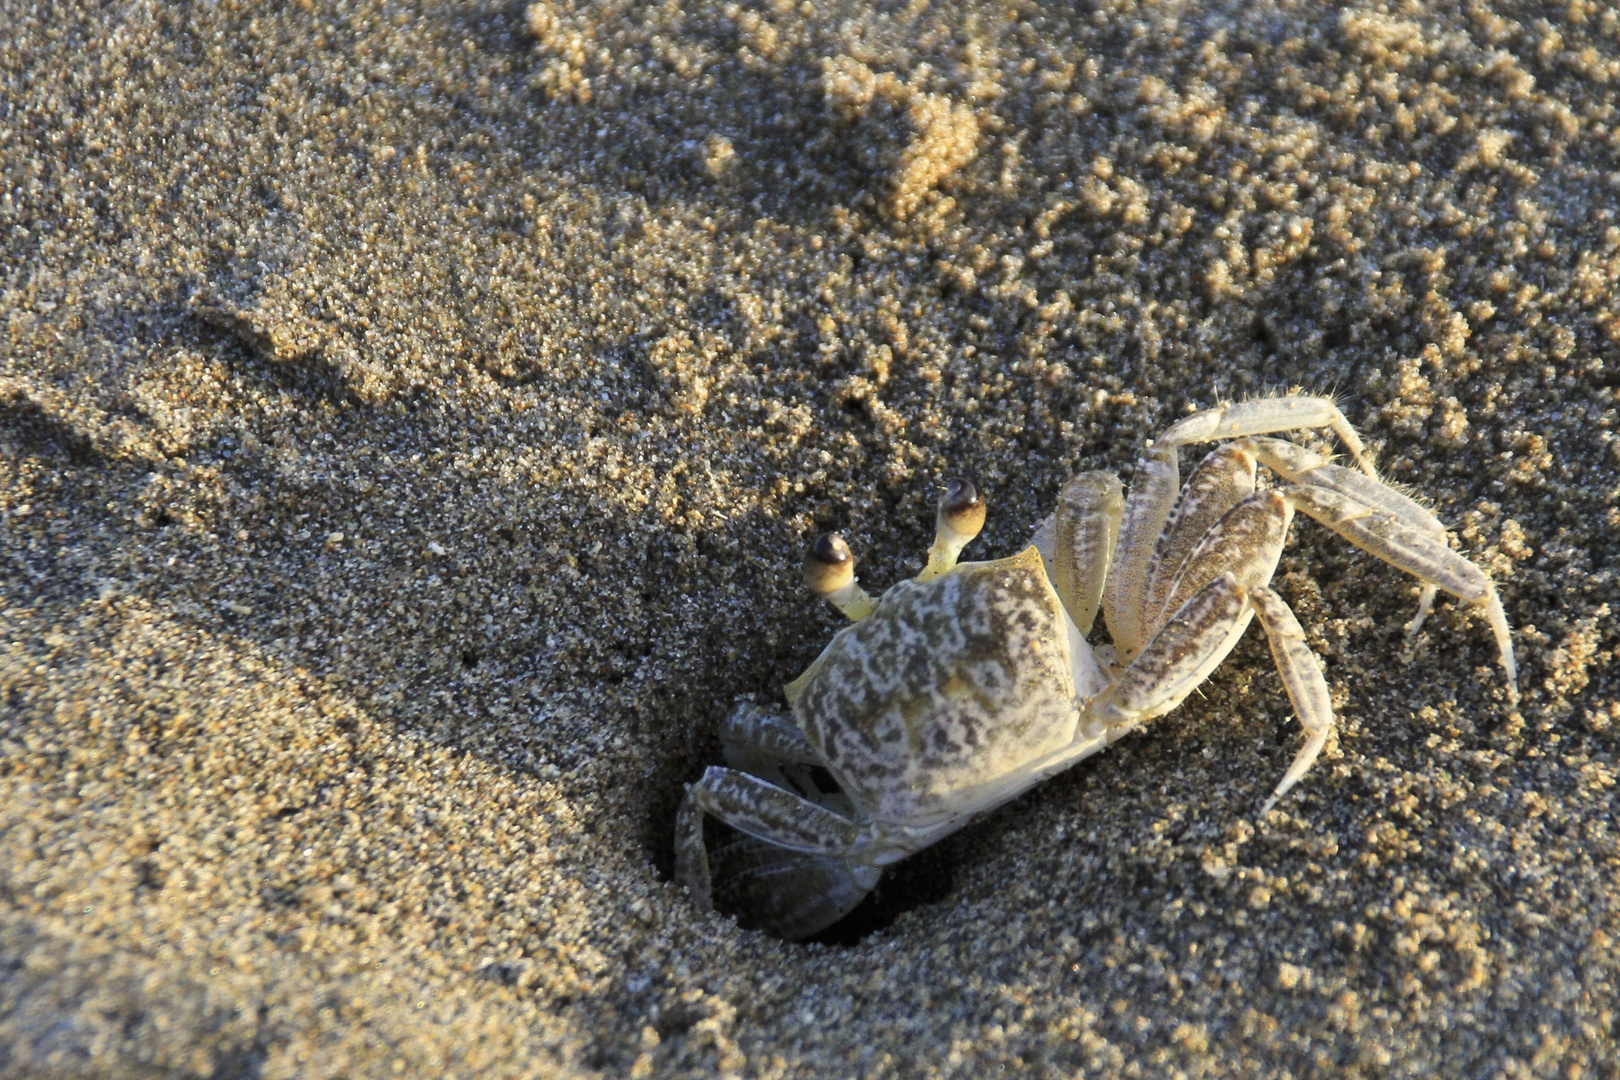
962,688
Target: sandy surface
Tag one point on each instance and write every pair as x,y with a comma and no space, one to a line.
410,419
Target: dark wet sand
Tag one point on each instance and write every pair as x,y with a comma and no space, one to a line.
410,420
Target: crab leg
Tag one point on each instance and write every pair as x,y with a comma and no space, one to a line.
786,893
1246,542
1077,543
1180,657
1301,677
765,745
1417,550
1221,481
759,808
1298,465
1153,493
1292,412
752,732
1384,523
773,748
1425,605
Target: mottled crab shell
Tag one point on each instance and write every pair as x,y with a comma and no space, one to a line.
943,691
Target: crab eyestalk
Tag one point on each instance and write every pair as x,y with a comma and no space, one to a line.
960,517
829,570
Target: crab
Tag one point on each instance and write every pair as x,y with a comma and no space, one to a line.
958,690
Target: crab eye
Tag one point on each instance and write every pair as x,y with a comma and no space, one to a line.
961,508
830,549
828,564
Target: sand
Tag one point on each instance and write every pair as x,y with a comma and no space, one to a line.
411,418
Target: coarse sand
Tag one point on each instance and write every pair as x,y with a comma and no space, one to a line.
411,417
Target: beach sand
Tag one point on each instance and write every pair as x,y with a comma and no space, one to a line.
412,416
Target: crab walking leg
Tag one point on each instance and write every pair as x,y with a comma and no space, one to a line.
1301,677
786,893
773,748
1180,657
1263,416
1298,465
1417,551
1153,493
1080,546
1425,605
760,809
1221,481
759,742
1247,543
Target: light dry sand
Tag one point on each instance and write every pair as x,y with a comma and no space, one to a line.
412,417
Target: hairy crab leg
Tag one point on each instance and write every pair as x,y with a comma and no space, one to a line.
1426,595
1418,551
958,520
760,809
1180,657
1222,480
1246,542
787,893
1391,526
1301,677
1298,465
1077,543
773,748
765,745
1290,412
1153,493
